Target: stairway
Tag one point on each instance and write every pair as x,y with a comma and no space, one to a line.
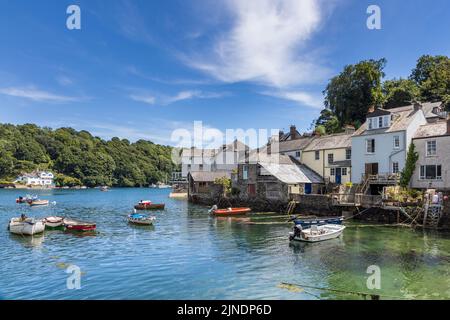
291,207
432,216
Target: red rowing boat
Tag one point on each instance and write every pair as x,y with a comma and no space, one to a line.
231,211
76,225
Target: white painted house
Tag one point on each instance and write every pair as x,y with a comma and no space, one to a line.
380,145
224,159
41,178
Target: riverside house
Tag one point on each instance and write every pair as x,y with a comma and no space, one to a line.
380,145
275,176
432,142
36,179
330,156
201,184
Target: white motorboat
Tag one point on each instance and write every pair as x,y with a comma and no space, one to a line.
316,233
28,226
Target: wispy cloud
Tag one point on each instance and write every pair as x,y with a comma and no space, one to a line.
148,99
34,94
266,44
302,98
64,80
192,94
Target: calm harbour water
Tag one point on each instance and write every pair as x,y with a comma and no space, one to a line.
190,255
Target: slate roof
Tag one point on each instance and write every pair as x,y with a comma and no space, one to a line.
432,130
291,172
208,176
294,145
332,141
402,117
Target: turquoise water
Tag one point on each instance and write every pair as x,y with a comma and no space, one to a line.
190,255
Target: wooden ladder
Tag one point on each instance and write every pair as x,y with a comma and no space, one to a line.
291,207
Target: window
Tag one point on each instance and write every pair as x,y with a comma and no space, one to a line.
395,167
380,122
348,154
200,167
245,172
297,154
317,155
433,172
344,171
370,146
431,148
386,121
332,172
396,142
370,124
330,158
189,167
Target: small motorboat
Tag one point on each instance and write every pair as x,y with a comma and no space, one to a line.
37,202
26,226
231,211
316,233
148,205
77,225
141,219
104,188
308,222
54,222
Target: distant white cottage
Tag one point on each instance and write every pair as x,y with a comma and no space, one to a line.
41,178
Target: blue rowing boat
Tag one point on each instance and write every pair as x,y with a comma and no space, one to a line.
308,222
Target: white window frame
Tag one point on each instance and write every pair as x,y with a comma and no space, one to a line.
344,172
423,172
330,157
386,121
298,154
428,149
317,155
370,123
367,146
245,172
347,153
395,167
332,172
396,142
380,122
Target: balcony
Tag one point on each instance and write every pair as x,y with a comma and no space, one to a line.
382,178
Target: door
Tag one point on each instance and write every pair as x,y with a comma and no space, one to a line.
308,188
338,175
251,189
371,168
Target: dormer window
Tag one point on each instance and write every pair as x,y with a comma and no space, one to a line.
380,122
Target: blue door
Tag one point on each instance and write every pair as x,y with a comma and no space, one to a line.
308,188
338,175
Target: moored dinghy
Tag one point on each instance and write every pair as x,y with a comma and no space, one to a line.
229,211
148,205
141,219
34,203
316,233
54,222
77,225
26,226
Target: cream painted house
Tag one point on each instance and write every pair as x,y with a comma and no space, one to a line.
330,156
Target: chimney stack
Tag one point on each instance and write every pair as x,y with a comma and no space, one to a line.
349,129
293,132
448,124
417,106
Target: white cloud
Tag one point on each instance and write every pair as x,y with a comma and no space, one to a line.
64,80
36,94
143,98
266,44
192,94
300,97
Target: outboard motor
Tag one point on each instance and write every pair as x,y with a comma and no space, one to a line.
213,208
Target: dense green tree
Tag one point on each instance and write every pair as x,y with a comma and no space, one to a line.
79,156
432,75
358,87
399,93
410,166
328,121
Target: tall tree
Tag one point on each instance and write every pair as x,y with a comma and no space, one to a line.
432,74
358,87
398,93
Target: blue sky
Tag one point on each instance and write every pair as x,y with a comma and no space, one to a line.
141,69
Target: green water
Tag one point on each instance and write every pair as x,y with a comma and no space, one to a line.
190,255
